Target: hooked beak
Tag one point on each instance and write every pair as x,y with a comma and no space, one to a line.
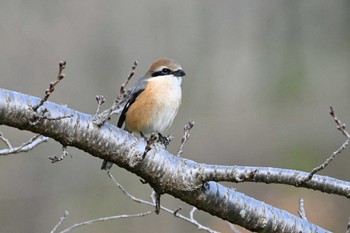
179,73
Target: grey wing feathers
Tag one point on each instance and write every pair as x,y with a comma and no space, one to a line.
139,88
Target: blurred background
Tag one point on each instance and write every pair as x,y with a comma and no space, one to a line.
261,76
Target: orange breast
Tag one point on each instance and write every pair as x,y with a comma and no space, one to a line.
155,108
140,113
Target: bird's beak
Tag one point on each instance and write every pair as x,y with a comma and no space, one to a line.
179,73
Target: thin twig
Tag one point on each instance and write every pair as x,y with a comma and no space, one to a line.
340,125
66,213
156,200
150,142
48,92
106,219
5,140
25,147
342,128
120,108
100,100
301,210
195,223
122,96
192,216
55,158
131,74
185,136
140,201
192,213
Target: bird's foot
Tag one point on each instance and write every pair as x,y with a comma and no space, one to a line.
165,140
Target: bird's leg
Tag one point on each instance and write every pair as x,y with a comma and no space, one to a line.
155,137
143,136
165,140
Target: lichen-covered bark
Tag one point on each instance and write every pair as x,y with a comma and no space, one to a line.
181,178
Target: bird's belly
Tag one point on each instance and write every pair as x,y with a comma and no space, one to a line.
154,113
164,117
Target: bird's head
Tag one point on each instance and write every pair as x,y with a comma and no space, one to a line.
165,67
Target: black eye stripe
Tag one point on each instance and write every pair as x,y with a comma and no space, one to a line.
165,71
158,73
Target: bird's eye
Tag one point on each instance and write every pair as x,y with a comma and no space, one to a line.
166,71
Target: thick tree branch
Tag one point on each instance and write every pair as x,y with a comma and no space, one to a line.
271,175
165,173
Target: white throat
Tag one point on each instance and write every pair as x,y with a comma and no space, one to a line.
171,79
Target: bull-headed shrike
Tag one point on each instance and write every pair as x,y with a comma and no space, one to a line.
154,101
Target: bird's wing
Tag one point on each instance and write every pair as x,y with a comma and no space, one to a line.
139,88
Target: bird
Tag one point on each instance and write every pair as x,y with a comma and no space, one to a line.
154,101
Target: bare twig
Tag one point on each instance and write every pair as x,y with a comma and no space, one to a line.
25,147
140,201
55,158
131,74
100,100
193,219
342,128
122,96
48,92
5,140
185,136
192,213
340,125
105,219
41,116
156,200
66,213
150,141
301,210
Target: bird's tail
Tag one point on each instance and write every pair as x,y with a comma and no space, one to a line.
106,165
